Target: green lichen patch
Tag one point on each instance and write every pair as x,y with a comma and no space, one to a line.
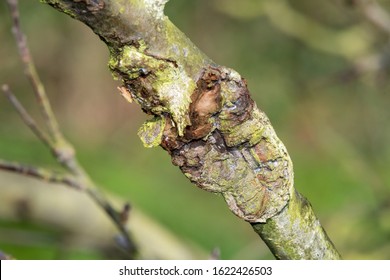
151,132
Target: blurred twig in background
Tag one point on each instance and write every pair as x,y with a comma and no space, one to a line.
374,13
347,43
353,43
61,149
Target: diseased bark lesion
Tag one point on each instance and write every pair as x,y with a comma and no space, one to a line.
229,148
203,115
212,129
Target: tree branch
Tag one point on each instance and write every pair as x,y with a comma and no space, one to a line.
296,233
41,173
204,117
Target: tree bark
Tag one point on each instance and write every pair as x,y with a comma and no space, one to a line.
204,117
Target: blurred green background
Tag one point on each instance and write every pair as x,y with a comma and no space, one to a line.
319,69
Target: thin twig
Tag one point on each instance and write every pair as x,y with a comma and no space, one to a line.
59,146
55,177
31,72
27,119
124,214
61,149
124,239
41,173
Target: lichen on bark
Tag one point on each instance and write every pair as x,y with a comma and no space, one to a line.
151,132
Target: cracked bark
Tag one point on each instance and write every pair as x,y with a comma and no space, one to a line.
204,117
